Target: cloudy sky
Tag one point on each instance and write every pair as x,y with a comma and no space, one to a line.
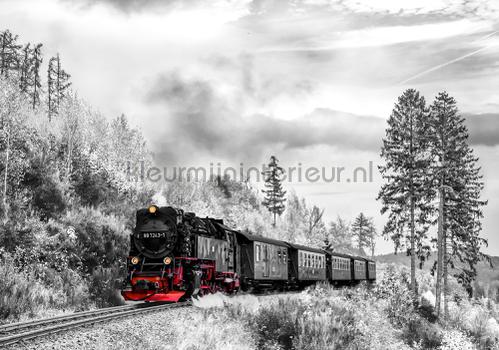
310,81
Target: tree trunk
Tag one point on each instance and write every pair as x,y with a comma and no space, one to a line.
35,89
445,273
4,199
413,235
70,156
413,250
438,291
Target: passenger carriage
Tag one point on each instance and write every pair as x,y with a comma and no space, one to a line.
371,270
340,268
307,265
359,269
264,262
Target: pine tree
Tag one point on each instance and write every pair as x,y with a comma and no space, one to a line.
25,68
29,73
363,231
406,193
9,53
459,185
36,84
274,194
58,86
464,225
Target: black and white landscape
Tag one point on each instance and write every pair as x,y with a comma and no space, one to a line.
378,122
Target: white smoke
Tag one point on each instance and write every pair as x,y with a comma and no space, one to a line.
159,199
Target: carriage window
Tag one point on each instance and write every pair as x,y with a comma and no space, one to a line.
258,253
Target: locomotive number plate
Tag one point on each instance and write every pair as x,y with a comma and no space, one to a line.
146,235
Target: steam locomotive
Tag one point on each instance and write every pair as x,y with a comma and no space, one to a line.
175,255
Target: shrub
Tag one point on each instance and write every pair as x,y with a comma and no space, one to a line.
456,340
103,287
20,294
320,318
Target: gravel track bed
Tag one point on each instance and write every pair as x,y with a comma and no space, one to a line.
150,331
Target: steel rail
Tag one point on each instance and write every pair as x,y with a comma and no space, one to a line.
91,319
43,321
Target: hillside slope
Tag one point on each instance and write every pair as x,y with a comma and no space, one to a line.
486,273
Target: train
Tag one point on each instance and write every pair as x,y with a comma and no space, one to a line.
175,255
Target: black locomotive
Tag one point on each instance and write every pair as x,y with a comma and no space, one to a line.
175,255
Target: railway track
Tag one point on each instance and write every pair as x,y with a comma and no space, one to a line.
18,332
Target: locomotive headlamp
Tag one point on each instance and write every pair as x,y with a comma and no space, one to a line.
135,260
152,209
167,260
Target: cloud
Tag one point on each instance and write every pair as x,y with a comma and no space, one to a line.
202,119
483,128
133,5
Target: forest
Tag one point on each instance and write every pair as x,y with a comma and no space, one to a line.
68,199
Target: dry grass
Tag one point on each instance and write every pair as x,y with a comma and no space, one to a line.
380,317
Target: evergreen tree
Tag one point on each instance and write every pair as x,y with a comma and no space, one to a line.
29,73
363,231
25,68
406,193
274,194
9,53
459,184
36,84
58,85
